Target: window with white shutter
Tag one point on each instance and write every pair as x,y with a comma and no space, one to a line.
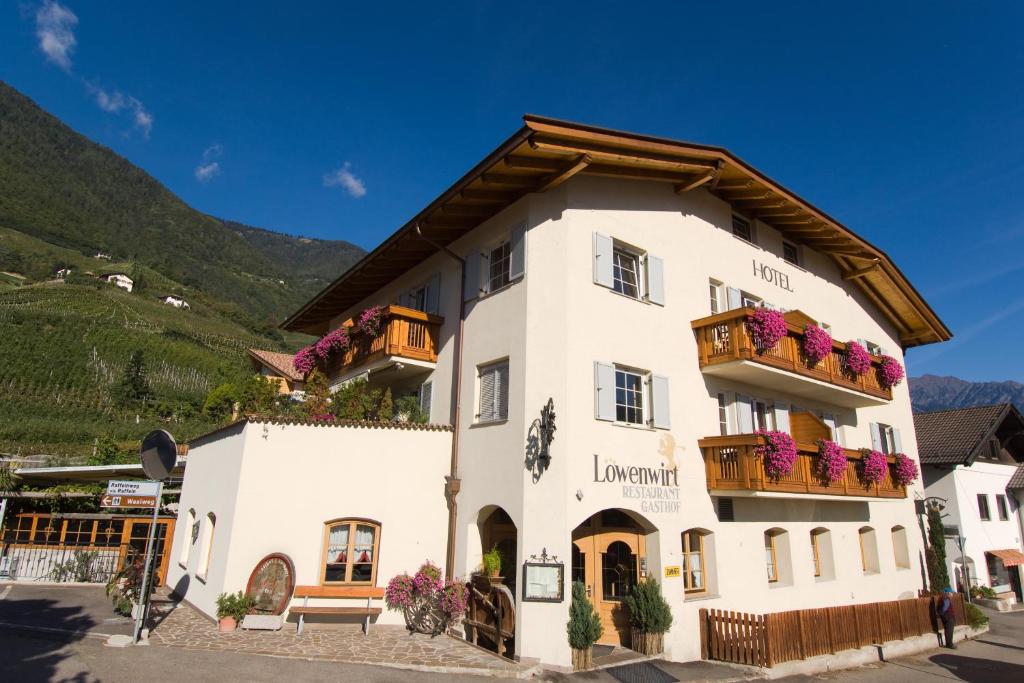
628,270
426,397
493,392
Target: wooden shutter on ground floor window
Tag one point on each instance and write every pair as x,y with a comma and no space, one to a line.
661,418
734,298
655,280
474,259
517,252
604,391
744,417
432,297
876,436
603,254
781,417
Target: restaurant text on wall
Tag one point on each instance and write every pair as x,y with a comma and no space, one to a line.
657,488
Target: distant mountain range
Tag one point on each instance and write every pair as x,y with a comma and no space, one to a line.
931,392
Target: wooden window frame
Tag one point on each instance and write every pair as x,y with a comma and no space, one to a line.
749,225
503,278
353,523
769,539
646,412
688,588
620,250
786,244
816,552
984,511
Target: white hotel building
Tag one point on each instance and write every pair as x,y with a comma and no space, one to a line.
611,273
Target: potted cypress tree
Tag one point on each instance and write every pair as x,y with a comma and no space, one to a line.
649,617
584,628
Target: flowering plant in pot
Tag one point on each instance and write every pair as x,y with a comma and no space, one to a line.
767,327
650,617
232,608
831,461
429,603
335,341
905,470
371,321
857,359
817,344
778,452
584,628
875,466
890,372
305,360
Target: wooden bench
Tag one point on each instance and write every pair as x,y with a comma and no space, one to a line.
307,592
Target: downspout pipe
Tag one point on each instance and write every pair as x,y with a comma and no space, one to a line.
452,481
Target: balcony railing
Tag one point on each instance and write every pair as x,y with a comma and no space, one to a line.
724,338
405,333
732,465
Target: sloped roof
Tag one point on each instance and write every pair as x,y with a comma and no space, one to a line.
281,362
952,437
1017,480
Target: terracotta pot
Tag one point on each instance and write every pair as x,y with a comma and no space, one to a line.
227,624
647,643
582,659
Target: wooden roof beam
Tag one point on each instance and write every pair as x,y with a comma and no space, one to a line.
535,163
727,187
487,196
637,173
506,179
606,153
556,179
861,272
710,177
468,210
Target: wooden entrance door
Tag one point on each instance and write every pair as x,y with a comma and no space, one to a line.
607,559
136,534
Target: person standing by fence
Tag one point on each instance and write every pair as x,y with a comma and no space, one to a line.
946,614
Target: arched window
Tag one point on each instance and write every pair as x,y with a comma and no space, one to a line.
188,537
618,571
350,551
821,554
899,547
777,558
698,561
206,549
868,550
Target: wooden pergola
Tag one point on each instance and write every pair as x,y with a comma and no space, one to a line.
546,152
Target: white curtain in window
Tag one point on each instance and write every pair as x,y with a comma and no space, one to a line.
363,550
337,544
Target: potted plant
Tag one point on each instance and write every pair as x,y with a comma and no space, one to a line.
492,560
429,603
584,628
231,609
649,617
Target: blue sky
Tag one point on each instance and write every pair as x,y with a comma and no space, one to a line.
341,120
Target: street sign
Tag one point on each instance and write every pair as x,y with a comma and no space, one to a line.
119,487
109,501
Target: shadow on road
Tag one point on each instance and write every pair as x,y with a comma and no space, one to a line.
974,670
38,657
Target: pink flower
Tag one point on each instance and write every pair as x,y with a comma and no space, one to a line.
905,470
831,461
857,359
322,417
767,327
890,373
399,593
332,342
817,343
371,321
305,360
454,599
778,452
875,467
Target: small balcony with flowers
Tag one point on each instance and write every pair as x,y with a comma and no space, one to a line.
802,463
790,352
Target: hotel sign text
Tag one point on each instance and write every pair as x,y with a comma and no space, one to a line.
657,488
772,275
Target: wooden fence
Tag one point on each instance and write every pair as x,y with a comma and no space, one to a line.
769,639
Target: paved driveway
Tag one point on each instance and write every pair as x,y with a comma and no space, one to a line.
85,609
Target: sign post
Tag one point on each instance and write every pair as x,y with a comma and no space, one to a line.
147,572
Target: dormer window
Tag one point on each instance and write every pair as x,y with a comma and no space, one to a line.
790,253
741,228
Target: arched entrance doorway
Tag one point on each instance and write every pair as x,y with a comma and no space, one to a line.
497,530
609,556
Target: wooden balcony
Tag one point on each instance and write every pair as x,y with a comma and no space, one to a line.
726,349
407,334
732,467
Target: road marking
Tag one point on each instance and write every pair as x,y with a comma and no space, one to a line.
7,591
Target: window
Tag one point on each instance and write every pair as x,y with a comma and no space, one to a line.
771,556
816,554
750,300
873,348
695,578
983,510
993,449
885,438
826,327
1001,507
629,397
868,550
499,261
493,392
741,228
618,571
715,290
761,415
350,551
626,272
821,554
206,549
900,550
426,395
187,538
723,415
790,253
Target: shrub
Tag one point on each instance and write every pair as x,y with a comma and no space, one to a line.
408,409
235,605
648,609
975,617
983,592
83,566
220,402
767,327
125,587
778,452
584,627
429,602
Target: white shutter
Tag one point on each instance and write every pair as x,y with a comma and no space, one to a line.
782,417
735,299
876,437
655,280
744,417
603,252
432,297
897,442
659,397
487,389
472,289
604,391
517,252
501,392
830,422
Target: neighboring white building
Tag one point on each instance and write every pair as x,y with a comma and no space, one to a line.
175,301
969,458
119,280
62,273
612,274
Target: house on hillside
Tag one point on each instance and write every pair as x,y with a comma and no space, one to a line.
278,367
62,273
118,280
656,302
174,300
970,458
101,256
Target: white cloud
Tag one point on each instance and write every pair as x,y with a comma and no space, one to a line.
55,29
209,167
116,101
343,177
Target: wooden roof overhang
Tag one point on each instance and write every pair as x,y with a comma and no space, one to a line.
546,152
